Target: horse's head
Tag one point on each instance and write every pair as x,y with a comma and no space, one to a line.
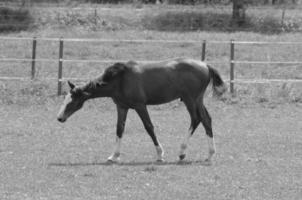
105,86
73,101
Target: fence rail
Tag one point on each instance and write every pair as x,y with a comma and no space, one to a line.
150,41
232,61
225,80
139,61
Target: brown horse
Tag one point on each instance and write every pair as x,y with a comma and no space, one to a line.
132,85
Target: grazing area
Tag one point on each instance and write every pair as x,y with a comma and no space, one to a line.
257,129
259,149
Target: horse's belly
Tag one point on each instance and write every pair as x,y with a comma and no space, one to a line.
161,96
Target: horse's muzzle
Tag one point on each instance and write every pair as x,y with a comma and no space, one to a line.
61,119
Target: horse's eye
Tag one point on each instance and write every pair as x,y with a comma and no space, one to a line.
102,84
75,94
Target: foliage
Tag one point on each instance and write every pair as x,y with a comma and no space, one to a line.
185,2
14,19
269,24
210,21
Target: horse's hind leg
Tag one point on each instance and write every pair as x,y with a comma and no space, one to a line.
192,109
206,120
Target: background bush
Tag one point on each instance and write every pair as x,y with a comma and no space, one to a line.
12,19
210,21
212,2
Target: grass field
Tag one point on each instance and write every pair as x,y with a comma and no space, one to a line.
257,131
259,149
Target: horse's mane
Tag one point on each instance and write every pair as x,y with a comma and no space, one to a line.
91,85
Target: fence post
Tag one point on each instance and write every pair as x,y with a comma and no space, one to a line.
60,67
232,65
95,17
33,62
203,52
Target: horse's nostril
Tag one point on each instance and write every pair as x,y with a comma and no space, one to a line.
61,120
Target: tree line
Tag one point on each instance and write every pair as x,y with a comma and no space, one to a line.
222,2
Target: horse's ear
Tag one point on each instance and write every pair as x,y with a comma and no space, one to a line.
101,83
71,85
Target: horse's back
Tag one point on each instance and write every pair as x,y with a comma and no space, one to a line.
167,80
193,75
186,71
178,65
196,67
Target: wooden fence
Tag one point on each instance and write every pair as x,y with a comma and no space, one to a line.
61,60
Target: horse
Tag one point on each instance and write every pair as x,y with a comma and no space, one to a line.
134,86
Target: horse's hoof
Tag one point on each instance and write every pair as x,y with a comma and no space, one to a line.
109,161
182,156
113,161
161,160
208,162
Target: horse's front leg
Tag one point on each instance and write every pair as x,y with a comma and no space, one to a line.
121,119
144,115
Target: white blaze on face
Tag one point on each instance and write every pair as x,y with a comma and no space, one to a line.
61,113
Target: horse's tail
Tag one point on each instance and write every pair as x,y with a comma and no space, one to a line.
219,86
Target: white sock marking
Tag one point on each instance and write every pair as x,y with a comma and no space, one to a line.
212,148
116,154
185,142
160,152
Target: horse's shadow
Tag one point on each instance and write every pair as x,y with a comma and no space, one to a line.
132,163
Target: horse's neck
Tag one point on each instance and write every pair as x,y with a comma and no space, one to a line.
90,88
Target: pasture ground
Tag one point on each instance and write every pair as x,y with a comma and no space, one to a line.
259,150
